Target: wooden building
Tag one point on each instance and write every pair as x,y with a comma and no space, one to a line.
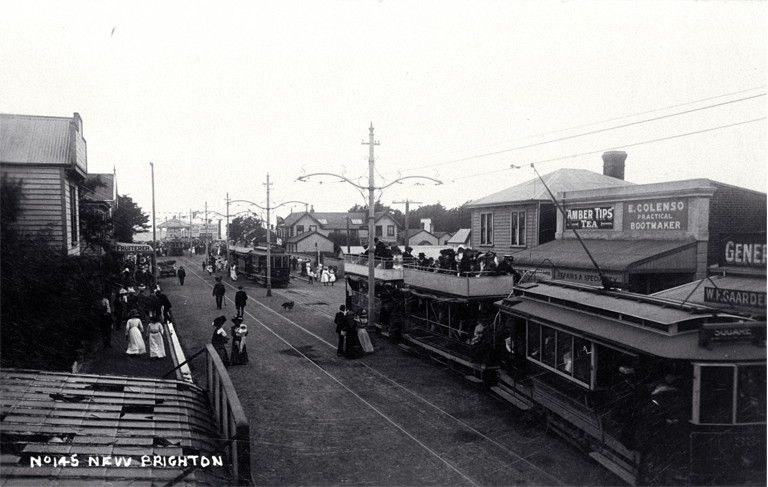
48,156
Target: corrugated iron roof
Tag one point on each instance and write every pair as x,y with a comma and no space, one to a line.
57,415
35,140
560,180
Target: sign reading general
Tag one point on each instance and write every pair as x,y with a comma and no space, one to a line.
656,215
595,218
735,297
743,250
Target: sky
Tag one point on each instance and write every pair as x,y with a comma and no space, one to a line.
218,96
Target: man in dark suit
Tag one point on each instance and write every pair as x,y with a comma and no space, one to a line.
218,292
240,299
341,325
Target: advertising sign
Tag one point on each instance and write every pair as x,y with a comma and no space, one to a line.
593,218
743,250
735,297
132,248
656,215
586,277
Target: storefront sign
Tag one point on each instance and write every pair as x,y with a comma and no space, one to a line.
735,297
656,215
595,218
744,250
731,332
585,277
132,248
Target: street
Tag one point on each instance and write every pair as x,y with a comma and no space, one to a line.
389,418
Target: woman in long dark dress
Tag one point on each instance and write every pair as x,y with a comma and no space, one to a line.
219,339
353,349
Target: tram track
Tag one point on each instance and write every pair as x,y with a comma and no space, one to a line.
381,403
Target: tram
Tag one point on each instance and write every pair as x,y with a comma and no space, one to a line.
176,247
659,392
252,263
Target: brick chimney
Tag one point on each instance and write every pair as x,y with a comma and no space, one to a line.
613,163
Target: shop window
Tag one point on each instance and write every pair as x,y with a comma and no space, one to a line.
486,229
518,228
390,230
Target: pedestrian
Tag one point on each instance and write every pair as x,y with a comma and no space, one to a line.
133,331
219,339
239,354
106,327
155,332
240,299
310,274
165,306
205,266
119,306
332,275
218,292
325,277
353,349
181,273
341,329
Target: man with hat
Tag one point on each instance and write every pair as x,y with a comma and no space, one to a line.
182,274
240,298
165,306
218,292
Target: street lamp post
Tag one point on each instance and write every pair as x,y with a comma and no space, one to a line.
371,218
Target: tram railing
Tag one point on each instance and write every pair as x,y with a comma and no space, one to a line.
231,420
384,269
467,284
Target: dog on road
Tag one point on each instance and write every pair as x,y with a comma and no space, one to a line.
287,306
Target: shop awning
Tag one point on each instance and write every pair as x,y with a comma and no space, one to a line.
613,255
737,294
683,346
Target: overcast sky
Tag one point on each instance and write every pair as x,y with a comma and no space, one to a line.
219,94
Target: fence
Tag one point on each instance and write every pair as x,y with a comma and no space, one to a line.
230,417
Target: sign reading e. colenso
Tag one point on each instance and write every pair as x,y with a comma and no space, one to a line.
656,215
596,218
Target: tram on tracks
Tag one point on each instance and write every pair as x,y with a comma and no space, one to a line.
176,247
658,391
252,263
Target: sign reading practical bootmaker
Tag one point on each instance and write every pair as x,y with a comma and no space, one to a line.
656,215
596,218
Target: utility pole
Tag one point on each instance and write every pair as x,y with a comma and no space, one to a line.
206,233
154,234
407,201
228,263
269,246
371,220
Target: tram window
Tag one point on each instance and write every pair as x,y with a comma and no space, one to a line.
534,341
548,346
716,395
564,352
750,397
582,365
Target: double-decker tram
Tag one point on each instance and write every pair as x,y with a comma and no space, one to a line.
252,263
176,247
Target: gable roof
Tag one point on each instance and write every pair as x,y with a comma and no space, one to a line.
28,139
173,223
460,237
560,180
302,236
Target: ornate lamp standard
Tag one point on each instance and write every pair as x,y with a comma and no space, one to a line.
371,218
269,244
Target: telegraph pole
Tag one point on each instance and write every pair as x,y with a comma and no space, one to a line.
269,246
371,220
407,201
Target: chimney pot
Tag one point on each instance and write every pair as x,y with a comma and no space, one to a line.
613,163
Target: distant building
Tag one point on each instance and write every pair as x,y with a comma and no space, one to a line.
48,156
325,223
462,238
309,242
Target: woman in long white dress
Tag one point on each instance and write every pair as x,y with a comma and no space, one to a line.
133,331
156,342
325,277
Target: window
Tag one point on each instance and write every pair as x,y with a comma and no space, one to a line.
557,350
717,402
378,231
73,212
518,228
299,229
390,230
486,229
313,228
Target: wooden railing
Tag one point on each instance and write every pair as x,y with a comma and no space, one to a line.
230,417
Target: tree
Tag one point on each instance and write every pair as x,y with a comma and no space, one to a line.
128,219
240,228
95,227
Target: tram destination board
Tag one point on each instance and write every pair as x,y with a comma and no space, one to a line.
732,332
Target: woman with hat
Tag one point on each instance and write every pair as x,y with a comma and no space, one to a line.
239,355
219,339
133,331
